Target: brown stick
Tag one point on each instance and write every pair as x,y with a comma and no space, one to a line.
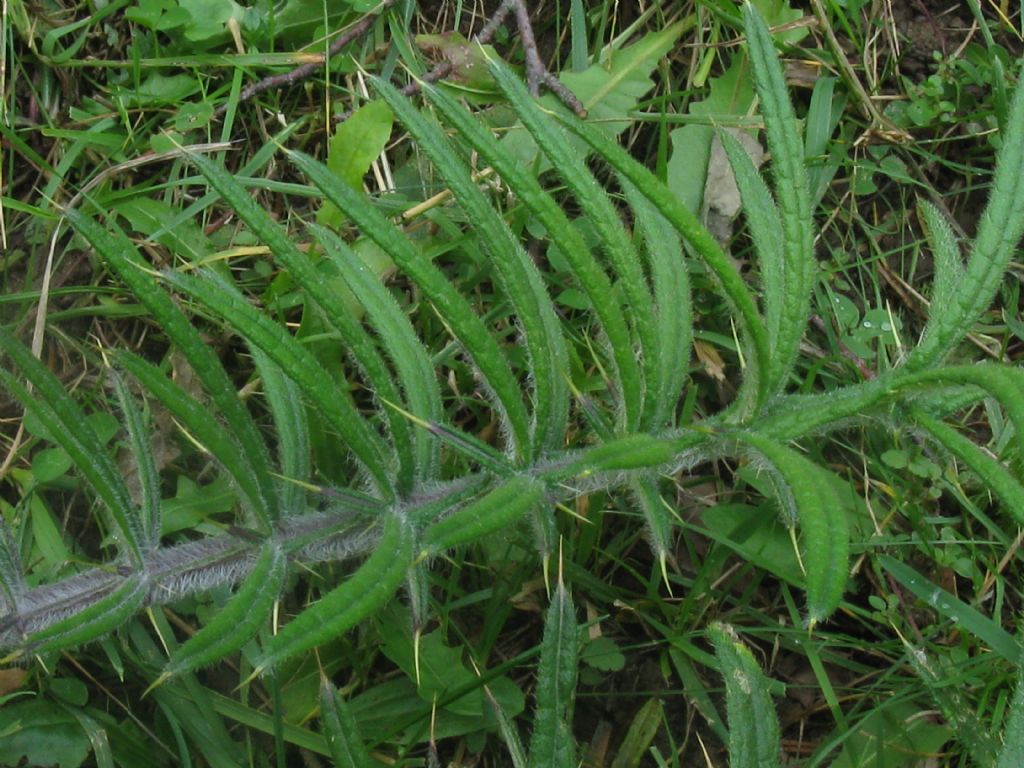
536,73
307,70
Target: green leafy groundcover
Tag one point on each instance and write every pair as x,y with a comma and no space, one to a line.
421,486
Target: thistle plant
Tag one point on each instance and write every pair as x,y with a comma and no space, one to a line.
421,486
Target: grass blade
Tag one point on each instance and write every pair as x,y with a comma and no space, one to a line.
753,725
68,428
952,608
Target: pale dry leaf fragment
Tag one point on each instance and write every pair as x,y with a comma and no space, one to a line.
722,203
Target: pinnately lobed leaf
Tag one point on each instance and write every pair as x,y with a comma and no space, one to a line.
362,593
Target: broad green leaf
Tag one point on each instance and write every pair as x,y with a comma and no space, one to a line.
43,733
609,90
891,734
730,96
356,143
148,216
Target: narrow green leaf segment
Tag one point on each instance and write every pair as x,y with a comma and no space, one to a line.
358,596
340,729
552,745
824,527
521,279
498,509
238,621
451,305
791,190
753,724
123,259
